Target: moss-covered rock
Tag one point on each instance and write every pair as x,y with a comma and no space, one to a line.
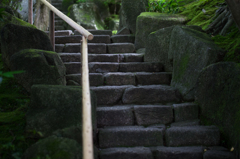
217,94
148,22
56,107
191,51
157,46
54,148
129,12
15,38
87,15
39,66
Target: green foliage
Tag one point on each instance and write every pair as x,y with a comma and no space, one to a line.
230,43
114,32
81,1
1,13
201,12
13,4
163,6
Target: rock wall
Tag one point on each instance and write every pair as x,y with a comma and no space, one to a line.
217,94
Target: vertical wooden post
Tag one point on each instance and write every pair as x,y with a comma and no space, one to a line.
52,29
30,11
86,105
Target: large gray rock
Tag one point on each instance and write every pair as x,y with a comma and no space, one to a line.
157,46
87,15
148,22
39,66
217,94
15,38
191,51
54,147
56,107
130,10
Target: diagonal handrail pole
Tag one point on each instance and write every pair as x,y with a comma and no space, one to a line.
86,102
87,133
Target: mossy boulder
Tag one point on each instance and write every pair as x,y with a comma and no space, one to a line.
191,51
57,107
130,10
217,93
148,22
15,38
87,15
54,148
157,46
39,66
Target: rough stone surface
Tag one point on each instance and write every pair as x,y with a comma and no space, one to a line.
123,31
55,148
56,107
192,51
115,116
119,79
15,38
123,38
97,48
120,48
213,154
95,79
126,153
150,94
109,95
145,78
97,32
185,111
186,123
133,57
192,136
41,67
148,22
129,136
62,32
129,12
217,94
178,152
157,46
153,114
102,67
77,39
140,67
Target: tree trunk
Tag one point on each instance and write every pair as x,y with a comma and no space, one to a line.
41,20
234,6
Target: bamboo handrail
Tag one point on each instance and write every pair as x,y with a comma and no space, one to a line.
73,24
86,98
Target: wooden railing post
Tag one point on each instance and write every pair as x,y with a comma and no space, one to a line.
30,11
86,105
52,29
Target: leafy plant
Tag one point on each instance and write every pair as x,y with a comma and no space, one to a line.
163,6
13,4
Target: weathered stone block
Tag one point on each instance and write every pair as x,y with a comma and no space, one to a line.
119,79
148,22
153,114
192,51
140,67
185,111
144,78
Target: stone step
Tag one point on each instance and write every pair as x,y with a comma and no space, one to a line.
76,57
145,115
186,123
78,38
59,28
97,48
185,111
115,116
59,22
96,32
123,39
218,152
104,67
129,94
62,32
126,153
178,152
192,135
130,136
121,48
121,78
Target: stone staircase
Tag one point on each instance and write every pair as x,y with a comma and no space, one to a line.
139,116
58,21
